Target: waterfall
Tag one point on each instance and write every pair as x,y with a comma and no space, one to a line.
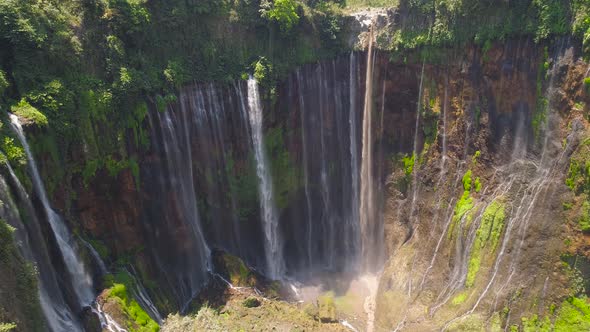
309,207
367,207
186,272
354,164
32,246
272,238
140,293
81,280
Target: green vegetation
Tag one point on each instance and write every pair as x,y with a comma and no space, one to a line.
477,185
234,316
239,274
486,238
459,298
24,110
540,114
584,219
5,327
285,173
327,307
438,23
573,315
138,319
534,324
464,204
283,12
88,68
19,302
578,180
475,157
243,184
251,302
409,164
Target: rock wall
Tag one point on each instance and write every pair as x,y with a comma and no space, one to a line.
468,112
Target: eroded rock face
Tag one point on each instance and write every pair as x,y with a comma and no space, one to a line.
446,273
472,104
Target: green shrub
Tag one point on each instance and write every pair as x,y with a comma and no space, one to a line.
175,73
286,175
14,153
587,84
578,176
251,302
534,324
475,157
573,315
327,307
139,320
477,185
489,231
459,298
409,164
5,327
24,110
282,12
467,181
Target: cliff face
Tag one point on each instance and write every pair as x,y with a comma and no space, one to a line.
464,225
487,229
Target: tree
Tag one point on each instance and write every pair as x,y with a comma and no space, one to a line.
283,12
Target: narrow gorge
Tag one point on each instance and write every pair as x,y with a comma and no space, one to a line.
294,165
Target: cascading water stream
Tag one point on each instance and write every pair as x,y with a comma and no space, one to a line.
172,133
309,208
81,279
272,237
142,296
56,311
415,147
33,248
354,163
367,208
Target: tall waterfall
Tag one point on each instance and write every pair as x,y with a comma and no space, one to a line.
326,98
33,248
354,163
80,278
367,213
272,237
187,270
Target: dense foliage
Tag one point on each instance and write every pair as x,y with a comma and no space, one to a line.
435,23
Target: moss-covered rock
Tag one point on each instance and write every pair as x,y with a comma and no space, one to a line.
118,303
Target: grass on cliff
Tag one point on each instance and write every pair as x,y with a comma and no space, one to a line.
464,205
24,110
578,180
138,319
486,238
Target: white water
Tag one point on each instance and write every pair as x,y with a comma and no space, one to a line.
174,147
143,298
305,171
272,241
81,280
107,323
367,207
415,148
354,163
57,313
